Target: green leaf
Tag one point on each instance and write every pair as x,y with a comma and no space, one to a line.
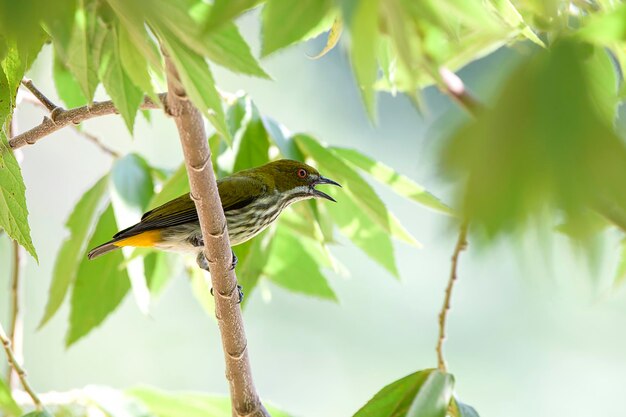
362,231
223,11
433,397
399,183
226,47
175,186
82,52
135,63
72,251
100,284
458,409
604,28
13,210
197,80
395,399
354,187
7,403
67,87
253,256
112,402
293,264
125,95
201,289
286,22
506,9
44,413
281,138
562,160
131,189
253,148
364,34
163,404
157,270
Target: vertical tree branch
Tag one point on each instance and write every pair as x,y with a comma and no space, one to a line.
16,331
190,124
461,244
14,364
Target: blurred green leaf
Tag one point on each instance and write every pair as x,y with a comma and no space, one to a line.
100,284
175,186
604,28
364,34
224,11
197,80
562,155
131,190
509,13
253,256
72,252
164,404
333,38
395,399
157,270
125,95
433,397
354,187
399,183
7,403
362,231
294,265
282,139
113,402
286,22
201,289
67,87
458,409
43,413
620,275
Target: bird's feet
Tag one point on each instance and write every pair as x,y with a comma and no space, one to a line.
240,293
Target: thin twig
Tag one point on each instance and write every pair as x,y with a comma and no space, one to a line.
15,318
61,118
461,244
30,98
244,398
45,101
455,88
13,362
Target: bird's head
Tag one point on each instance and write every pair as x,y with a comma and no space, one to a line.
297,179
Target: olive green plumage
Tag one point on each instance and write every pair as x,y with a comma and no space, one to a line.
251,199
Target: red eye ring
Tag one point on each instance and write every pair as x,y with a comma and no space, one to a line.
302,173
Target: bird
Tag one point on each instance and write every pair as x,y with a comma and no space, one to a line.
252,200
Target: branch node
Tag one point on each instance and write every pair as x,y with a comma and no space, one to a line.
238,356
56,113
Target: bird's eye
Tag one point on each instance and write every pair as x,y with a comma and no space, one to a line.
302,173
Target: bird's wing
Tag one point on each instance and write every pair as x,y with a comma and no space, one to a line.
235,192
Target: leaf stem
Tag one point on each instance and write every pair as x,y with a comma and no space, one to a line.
45,101
461,244
21,373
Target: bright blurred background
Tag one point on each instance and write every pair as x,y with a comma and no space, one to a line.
533,329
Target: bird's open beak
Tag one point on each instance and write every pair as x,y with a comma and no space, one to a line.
318,193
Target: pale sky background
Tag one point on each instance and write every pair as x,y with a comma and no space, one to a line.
525,338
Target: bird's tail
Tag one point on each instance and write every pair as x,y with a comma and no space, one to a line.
102,249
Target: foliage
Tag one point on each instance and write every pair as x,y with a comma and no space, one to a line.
546,144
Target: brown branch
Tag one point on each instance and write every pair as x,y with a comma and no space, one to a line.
461,244
59,118
15,325
244,398
45,101
30,98
14,363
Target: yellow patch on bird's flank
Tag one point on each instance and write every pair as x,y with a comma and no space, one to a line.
143,240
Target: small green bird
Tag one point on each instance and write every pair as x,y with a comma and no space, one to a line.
252,200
